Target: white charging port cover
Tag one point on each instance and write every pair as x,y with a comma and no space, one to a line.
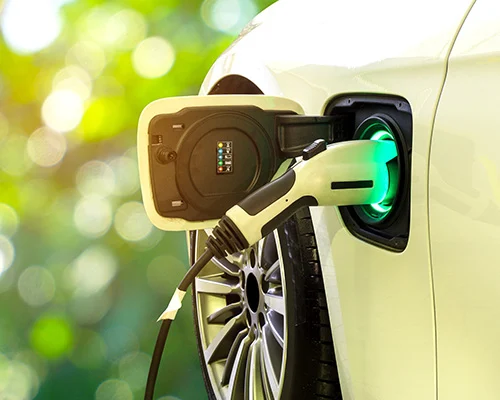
199,155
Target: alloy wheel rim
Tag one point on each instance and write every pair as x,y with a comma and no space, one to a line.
242,322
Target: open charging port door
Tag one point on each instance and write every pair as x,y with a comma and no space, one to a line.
385,118
200,155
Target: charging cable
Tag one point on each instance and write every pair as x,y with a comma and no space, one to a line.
345,173
168,316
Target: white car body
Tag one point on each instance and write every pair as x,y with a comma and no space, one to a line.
422,324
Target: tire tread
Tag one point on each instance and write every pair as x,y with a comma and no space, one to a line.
327,383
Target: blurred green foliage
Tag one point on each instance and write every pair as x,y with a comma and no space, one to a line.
83,274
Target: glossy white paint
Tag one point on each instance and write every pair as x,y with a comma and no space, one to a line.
381,303
465,212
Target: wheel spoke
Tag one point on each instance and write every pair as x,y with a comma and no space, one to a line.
273,274
226,266
269,254
275,301
263,375
231,357
253,383
271,356
219,348
216,284
260,249
276,325
223,314
236,259
237,381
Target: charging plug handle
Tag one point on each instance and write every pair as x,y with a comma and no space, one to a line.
345,173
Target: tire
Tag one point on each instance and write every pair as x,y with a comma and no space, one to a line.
308,368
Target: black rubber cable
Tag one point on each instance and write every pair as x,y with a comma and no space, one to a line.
195,270
165,325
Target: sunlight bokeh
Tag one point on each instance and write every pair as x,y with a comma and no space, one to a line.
83,272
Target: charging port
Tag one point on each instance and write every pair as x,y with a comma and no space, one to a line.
380,117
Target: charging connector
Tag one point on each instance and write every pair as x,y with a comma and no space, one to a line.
347,173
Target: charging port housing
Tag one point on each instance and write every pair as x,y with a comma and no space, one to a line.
380,117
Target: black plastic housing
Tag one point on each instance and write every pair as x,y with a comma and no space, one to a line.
392,232
183,158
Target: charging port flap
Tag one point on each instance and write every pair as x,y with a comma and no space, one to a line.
200,155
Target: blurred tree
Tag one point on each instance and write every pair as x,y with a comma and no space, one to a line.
83,274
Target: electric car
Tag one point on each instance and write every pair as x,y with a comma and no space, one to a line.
396,300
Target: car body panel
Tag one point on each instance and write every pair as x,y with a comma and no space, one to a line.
380,303
464,190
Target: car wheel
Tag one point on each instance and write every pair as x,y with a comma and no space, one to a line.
262,322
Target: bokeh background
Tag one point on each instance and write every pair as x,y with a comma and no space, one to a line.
83,273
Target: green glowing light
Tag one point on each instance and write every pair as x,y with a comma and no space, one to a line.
382,135
379,211
380,207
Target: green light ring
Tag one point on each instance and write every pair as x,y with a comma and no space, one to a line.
382,135
377,131
381,208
